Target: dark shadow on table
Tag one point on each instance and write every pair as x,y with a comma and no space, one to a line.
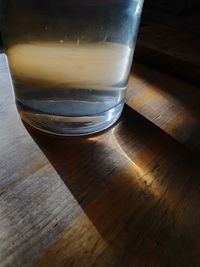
139,188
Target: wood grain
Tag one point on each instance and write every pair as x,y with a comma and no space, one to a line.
126,197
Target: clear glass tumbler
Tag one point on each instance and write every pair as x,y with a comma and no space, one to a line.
70,60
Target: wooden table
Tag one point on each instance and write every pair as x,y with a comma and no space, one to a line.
129,197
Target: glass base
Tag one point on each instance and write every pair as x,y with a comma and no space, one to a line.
70,126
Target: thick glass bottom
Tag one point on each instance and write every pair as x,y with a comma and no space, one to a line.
70,125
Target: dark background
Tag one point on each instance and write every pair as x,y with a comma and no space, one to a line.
169,37
178,6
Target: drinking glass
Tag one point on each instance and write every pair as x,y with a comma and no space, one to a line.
70,60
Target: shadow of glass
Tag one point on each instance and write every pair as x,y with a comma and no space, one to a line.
135,183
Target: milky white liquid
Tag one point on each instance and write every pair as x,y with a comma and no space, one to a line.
86,66
70,78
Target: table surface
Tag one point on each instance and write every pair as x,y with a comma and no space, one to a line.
129,197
